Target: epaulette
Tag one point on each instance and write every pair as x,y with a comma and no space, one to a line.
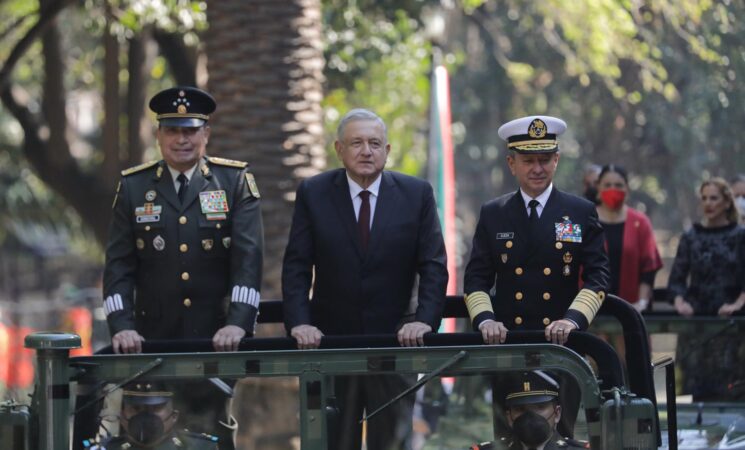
227,162
139,168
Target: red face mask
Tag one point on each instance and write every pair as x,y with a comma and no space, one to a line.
613,198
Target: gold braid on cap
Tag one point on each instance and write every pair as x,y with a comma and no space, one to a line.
478,302
588,303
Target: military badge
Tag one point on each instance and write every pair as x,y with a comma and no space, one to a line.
567,270
140,244
504,258
150,195
501,236
567,231
159,243
567,258
159,172
252,187
537,129
207,244
149,212
214,204
226,242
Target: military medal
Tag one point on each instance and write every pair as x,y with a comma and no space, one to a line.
207,244
150,195
214,204
159,243
226,242
567,258
567,231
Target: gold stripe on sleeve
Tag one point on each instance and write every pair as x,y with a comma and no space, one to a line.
478,302
588,303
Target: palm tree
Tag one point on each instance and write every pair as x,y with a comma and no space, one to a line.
266,72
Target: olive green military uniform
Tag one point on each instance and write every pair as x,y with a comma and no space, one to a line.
181,440
183,270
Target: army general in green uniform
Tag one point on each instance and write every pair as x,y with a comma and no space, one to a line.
184,256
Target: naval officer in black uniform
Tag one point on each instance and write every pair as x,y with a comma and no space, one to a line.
184,257
531,245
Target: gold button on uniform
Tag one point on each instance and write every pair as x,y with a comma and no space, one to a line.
187,302
147,227
218,226
185,276
183,247
518,296
182,220
559,245
518,320
547,271
508,244
519,271
546,321
546,296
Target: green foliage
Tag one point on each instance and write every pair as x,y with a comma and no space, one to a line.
378,58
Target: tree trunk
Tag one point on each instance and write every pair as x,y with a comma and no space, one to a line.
265,67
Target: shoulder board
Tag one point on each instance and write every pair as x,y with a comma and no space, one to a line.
139,168
227,162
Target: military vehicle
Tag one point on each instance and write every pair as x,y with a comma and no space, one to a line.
618,411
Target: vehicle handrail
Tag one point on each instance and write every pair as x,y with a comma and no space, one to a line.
610,369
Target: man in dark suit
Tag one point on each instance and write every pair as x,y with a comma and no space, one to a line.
184,257
364,234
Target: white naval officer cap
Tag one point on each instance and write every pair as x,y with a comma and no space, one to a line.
533,134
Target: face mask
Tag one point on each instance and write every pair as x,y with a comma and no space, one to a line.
145,428
531,429
740,204
613,198
591,193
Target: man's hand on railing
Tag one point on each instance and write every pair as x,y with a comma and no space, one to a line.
307,336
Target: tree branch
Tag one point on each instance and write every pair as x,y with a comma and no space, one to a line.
46,17
180,57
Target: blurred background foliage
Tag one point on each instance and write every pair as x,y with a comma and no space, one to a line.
651,84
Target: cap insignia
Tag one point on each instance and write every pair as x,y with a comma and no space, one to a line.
181,109
537,129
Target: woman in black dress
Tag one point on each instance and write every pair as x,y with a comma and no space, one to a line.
712,254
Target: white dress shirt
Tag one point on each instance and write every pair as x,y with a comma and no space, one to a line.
542,199
175,173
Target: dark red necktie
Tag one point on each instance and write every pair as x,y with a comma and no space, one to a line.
363,222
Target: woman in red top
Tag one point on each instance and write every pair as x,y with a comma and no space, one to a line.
629,240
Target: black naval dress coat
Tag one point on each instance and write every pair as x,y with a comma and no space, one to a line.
177,271
533,275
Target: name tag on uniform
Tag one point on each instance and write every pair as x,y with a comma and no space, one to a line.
501,236
567,231
214,204
148,212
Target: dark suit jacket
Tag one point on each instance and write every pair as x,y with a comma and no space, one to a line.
170,274
356,292
536,276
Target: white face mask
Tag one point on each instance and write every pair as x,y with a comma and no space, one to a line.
740,204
